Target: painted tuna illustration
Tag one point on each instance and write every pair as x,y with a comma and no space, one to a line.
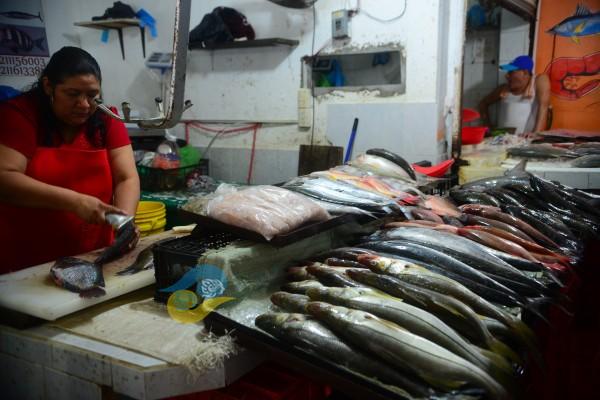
582,23
21,15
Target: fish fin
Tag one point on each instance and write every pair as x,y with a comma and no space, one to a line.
517,169
575,39
39,43
502,349
128,271
499,368
527,339
582,10
93,292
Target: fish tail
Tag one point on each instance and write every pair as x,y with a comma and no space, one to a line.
502,349
499,369
39,43
129,271
534,306
93,292
527,339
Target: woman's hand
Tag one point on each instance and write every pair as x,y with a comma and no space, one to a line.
92,210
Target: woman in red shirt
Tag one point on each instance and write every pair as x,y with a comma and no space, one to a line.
63,166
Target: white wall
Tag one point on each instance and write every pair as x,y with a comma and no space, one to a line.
261,84
514,38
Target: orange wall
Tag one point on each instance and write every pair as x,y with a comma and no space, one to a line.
579,111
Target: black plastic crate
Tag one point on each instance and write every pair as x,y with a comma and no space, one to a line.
158,179
441,186
173,258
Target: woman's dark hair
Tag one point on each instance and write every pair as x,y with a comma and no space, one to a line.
65,63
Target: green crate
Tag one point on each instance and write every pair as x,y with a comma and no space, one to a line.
157,179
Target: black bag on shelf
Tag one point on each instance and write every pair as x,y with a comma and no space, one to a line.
222,25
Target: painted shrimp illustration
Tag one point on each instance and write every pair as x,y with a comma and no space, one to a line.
571,77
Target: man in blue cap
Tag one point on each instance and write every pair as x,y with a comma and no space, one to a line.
524,99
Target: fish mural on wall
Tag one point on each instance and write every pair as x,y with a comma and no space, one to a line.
21,15
582,23
22,36
17,39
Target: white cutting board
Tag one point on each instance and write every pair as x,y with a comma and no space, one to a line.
32,291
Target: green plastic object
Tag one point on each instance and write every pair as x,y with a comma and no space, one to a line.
189,155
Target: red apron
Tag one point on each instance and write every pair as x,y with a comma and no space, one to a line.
31,236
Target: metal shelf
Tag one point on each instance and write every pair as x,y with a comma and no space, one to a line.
270,42
115,23
118,24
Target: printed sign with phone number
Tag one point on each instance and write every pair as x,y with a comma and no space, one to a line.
22,65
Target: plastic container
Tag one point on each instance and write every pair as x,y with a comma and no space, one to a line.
473,134
167,154
158,179
468,115
436,171
150,217
149,208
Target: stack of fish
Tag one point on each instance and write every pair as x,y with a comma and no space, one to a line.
564,218
428,303
401,323
376,183
583,155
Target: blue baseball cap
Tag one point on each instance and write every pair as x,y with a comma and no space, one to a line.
521,62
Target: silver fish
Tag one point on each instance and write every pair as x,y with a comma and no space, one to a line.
409,352
77,275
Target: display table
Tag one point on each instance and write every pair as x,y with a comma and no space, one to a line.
52,361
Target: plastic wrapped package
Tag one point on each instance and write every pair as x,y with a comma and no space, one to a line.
268,210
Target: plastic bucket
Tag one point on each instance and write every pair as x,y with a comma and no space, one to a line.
148,209
151,217
152,227
473,134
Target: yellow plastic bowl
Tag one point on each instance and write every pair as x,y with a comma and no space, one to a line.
152,225
148,218
154,232
148,208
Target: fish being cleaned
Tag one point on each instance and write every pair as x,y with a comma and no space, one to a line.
407,351
125,241
80,276
308,333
